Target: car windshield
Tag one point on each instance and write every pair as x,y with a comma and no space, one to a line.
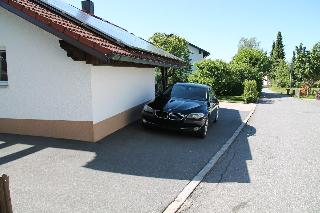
189,92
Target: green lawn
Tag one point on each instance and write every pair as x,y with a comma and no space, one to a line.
231,99
308,97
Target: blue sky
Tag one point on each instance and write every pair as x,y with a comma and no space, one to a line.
218,25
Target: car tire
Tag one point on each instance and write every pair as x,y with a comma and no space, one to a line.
144,125
202,133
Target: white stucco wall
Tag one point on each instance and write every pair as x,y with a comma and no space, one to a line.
194,55
43,82
117,89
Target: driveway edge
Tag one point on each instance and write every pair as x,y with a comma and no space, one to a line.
191,186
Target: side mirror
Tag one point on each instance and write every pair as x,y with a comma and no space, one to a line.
215,99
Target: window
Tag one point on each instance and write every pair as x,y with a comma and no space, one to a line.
3,66
189,92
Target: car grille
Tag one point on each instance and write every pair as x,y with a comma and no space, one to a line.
169,115
161,114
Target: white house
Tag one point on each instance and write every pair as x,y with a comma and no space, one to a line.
67,74
197,54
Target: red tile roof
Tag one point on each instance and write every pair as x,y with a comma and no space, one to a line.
83,35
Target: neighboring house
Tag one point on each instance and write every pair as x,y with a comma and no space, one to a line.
197,54
62,77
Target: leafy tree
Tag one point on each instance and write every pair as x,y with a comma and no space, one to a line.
302,64
315,62
251,64
228,79
250,57
215,73
253,58
177,46
306,65
249,43
282,74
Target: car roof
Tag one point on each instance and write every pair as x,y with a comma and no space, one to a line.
194,85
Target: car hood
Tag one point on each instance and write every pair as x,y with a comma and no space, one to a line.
179,105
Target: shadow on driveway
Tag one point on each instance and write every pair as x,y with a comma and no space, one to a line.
232,167
149,153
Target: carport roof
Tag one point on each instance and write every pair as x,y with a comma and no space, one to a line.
84,38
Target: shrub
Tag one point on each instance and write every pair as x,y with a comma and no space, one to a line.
250,93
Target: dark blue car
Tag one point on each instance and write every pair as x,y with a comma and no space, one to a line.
184,107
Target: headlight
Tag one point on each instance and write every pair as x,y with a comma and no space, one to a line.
146,108
195,116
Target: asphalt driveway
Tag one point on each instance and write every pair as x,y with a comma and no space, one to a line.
133,170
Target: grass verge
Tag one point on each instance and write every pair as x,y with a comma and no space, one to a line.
308,97
279,90
232,99
284,91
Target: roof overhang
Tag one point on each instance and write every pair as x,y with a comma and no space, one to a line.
205,53
69,37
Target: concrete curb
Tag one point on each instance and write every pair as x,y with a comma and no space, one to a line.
188,190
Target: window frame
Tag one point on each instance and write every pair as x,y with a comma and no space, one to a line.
4,82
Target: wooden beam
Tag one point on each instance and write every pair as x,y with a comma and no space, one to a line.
78,55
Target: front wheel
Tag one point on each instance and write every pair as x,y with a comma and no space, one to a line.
144,125
204,130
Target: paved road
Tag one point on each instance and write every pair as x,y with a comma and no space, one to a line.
133,170
274,166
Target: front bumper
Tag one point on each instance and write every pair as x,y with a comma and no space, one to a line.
189,125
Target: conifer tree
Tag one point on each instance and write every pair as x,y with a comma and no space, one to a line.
279,48
277,51
272,54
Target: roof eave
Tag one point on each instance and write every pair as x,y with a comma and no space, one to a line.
205,52
51,30
99,32
89,50
118,57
